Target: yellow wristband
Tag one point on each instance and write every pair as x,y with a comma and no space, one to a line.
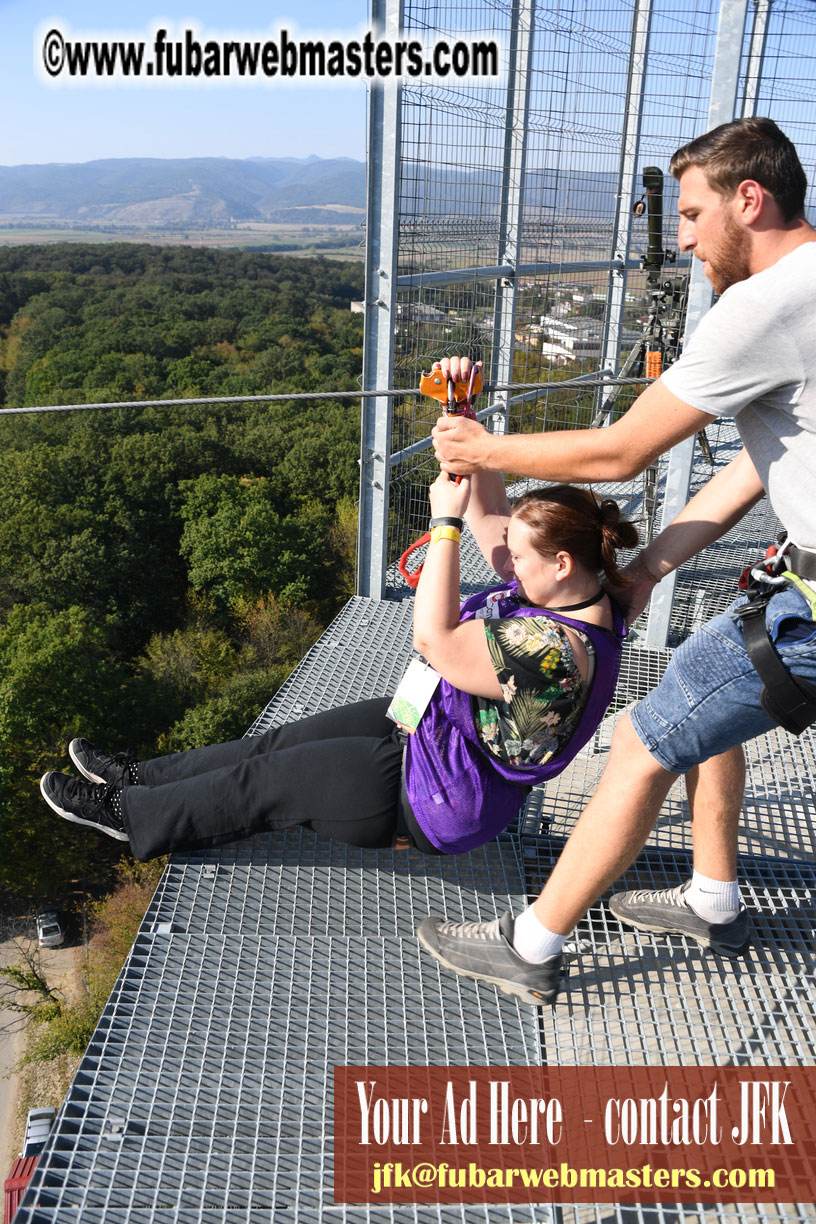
446,533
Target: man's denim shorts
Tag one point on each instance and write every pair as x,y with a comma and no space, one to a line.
708,700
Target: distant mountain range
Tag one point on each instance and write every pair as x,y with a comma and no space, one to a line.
220,191
186,191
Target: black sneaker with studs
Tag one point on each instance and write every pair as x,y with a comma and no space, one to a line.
97,766
484,950
85,803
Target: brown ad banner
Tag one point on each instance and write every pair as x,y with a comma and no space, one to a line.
575,1134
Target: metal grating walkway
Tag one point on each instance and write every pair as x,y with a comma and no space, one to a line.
206,1093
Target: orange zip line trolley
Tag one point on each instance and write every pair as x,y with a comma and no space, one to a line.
457,399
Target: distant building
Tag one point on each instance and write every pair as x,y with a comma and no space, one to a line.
420,312
566,340
576,337
556,354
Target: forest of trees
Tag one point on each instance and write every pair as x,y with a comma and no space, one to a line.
161,569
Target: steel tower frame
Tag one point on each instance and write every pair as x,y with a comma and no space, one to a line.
383,282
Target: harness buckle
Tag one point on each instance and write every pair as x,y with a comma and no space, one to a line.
788,699
768,570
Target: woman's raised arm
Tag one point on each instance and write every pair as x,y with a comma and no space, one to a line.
458,651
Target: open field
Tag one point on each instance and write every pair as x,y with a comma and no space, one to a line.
334,242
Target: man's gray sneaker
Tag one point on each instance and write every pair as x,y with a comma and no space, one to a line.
484,950
97,766
666,912
84,803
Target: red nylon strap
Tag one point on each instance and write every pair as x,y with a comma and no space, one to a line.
412,578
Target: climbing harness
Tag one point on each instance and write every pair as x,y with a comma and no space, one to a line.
457,399
788,699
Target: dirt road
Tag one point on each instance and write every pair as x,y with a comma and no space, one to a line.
58,964
10,1051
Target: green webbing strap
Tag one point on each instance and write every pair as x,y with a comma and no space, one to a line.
804,589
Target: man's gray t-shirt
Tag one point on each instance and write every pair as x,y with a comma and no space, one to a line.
753,357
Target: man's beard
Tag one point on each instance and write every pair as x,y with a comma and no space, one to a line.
728,262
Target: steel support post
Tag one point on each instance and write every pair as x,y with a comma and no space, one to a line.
382,221
722,109
627,171
756,56
522,31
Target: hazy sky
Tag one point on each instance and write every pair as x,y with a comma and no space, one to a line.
53,123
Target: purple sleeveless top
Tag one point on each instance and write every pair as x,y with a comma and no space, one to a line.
462,796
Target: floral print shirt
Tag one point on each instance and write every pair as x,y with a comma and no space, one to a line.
544,693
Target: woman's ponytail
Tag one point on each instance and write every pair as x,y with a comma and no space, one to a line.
616,532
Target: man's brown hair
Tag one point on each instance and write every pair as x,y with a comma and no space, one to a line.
752,148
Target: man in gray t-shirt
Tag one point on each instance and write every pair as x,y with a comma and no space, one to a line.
753,357
741,206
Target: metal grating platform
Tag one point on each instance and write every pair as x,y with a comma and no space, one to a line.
307,883
205,1094
635,999
258,968
238,1096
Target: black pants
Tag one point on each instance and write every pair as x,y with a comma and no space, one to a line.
338,773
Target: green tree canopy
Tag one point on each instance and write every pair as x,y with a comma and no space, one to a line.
151,557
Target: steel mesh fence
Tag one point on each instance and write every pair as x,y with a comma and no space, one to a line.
578,299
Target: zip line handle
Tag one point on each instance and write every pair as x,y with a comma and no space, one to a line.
450,393
456,399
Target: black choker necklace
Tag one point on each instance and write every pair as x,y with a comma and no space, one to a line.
587,603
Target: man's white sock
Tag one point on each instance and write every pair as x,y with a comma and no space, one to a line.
713,900
532,940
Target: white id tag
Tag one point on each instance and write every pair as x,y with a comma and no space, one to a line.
413,695
490,609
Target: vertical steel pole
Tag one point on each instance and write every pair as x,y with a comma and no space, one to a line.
382,220
722,109
756,56
517,109
627,171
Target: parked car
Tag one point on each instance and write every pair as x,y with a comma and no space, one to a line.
38,1124
50,929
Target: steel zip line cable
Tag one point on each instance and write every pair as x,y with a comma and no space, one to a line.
588,381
